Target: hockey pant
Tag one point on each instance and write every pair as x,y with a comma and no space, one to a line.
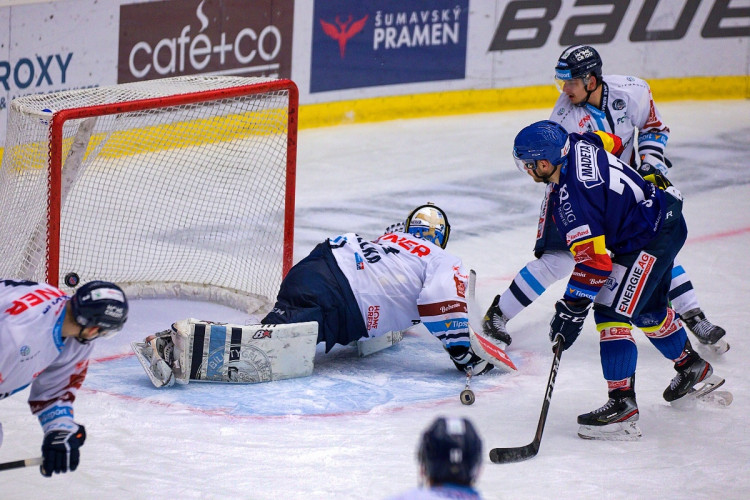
637,293
315,289
554,263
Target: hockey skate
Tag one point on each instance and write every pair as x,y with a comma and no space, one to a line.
156,354
706,332
615,421
493,324
695,379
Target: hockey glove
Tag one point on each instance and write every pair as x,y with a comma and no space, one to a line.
568,321
463,358
649,161
60,451
493,323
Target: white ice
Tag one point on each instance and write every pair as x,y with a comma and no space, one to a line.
350,430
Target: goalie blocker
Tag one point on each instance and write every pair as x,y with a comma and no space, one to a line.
194,350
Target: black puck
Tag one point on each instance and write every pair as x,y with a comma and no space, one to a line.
72,280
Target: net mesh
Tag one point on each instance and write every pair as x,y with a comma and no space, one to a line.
179,200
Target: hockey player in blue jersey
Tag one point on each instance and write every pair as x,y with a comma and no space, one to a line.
618,105
45,342
601,206
450,459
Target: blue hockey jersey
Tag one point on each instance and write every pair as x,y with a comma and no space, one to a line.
601,205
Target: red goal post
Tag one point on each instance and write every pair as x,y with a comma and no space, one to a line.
181,187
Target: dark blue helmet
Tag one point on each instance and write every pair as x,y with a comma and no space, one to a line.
579,61
429,223
102,304
450,452
545,140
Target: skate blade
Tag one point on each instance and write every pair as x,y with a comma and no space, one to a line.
702,391
720,347
618,431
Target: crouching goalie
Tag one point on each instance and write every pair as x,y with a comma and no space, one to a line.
347,289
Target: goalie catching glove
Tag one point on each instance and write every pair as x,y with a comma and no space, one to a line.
568,321
60,451
464,357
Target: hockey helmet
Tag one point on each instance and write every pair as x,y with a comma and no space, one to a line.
429,223
544,140
102,304
450,451
578,61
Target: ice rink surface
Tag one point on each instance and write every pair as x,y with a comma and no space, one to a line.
350,431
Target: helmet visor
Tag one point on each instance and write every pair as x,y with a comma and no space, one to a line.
108,332
524,165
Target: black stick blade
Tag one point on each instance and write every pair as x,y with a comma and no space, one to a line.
518,454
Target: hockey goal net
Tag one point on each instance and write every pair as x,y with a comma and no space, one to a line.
181,187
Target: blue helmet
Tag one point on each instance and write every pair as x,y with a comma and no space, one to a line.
450,452
544,140
102,304
429,223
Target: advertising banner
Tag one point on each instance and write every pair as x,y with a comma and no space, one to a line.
384,42
218,37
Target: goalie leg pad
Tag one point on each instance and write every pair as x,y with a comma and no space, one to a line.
214,352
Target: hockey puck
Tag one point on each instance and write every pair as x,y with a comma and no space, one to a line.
467,397
72,280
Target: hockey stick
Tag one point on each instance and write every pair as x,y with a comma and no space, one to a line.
520,453
479,343
17,464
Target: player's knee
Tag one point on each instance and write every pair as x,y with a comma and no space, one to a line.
659,325
614,331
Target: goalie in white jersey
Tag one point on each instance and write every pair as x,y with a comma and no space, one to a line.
356,288
619,105
45,342
347,289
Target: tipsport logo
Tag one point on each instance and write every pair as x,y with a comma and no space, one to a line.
218,37
382,42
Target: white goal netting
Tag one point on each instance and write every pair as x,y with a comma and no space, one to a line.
181,187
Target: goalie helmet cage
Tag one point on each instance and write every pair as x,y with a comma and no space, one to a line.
180,187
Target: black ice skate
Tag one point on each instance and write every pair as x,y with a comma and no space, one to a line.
695,378
706,332
493,323
615,421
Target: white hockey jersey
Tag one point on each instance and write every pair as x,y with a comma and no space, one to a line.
627,105
33,351
400,280
447,492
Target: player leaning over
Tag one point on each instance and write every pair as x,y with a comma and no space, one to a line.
450,459
45,341
624,233
618,105
356,288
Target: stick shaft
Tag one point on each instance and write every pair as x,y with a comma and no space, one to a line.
17,464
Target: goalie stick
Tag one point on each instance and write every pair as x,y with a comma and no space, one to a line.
517,454
17,464
481,344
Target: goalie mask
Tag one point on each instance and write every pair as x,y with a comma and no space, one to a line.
102,304
429,223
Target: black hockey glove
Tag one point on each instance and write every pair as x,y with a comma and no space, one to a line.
568,321
60,451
